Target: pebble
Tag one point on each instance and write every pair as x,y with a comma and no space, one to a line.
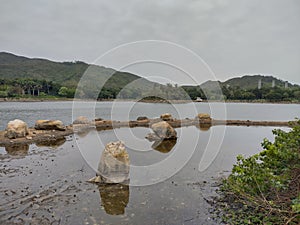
35,206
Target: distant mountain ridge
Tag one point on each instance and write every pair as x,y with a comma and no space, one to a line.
65,73
248,82
125,84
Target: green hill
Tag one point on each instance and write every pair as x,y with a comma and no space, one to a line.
64,73
22,76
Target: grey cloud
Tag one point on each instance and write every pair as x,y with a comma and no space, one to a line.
234,37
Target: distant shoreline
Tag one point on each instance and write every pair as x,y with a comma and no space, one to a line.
144,101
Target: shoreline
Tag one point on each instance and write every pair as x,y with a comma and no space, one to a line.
142,101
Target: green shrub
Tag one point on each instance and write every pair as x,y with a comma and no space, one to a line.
264,188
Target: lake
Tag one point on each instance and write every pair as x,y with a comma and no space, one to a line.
32,111
46,183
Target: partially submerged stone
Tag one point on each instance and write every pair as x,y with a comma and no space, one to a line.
142,118
114,164
81,120
203,116
16,129
49,125
164,130
166,117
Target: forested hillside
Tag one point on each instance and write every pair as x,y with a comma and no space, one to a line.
25,77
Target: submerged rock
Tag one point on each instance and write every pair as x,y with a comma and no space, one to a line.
16,129
114,164
166,117
164,130
82,120
49,125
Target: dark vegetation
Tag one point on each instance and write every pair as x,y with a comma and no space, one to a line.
265,188
246,89
25,77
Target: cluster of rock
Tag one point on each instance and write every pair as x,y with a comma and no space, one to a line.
19,129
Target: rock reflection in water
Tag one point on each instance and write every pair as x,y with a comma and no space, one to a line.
17,149
54,143
114,198
203,127
82,132
164,146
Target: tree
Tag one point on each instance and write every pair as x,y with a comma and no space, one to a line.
63,91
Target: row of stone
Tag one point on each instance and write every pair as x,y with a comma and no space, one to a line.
18,128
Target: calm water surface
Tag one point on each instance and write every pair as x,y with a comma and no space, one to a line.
47,184
32,111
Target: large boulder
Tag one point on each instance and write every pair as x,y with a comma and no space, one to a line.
166,117
16,129
49,125
114,164
81,120
164,130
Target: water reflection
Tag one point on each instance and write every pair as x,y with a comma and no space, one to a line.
203,127
164,146
17,149
114,198
54,143
82,132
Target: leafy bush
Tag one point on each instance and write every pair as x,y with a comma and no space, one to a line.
264,188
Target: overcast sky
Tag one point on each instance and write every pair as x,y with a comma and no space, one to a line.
234,37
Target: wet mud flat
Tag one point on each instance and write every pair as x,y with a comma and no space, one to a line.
43,184
44,178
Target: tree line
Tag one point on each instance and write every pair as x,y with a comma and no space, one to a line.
27,87
24,87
